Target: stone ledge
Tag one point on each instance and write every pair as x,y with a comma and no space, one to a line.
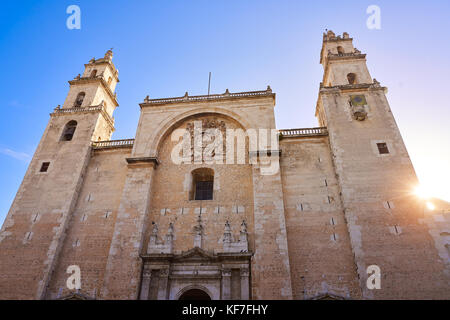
139,160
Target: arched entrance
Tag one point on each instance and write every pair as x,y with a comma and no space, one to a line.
195,294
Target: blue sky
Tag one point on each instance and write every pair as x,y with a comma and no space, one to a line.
165,48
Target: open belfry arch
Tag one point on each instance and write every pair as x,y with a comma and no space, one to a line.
140,225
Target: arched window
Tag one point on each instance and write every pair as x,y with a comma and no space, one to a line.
93,73
79,99
109,81
351,77
203,183
69,131
340,50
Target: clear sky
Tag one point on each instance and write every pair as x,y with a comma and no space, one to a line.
165,48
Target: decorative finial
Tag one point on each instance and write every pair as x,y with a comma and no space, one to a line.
269,89
92,60
155,229
147,98
227,233
170,230
243,227
78,77
227,92
198,228
109,54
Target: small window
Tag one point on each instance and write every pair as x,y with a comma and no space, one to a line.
203,184
69,131
351,77
382,148
79,99
204,190
44,166
340,50
109,81
93,73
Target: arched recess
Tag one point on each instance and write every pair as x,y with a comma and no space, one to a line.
183,292
154,143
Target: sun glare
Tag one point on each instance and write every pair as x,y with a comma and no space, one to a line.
430,206
422,192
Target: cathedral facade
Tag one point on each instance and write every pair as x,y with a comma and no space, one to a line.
211,201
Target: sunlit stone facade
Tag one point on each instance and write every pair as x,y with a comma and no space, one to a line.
302,217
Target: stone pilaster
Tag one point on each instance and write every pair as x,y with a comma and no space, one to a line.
271,275
163,284
124,264
245,289
145,285
226,284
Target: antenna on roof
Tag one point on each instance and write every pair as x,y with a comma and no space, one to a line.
209,82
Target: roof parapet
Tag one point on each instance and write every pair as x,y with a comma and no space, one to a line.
211,97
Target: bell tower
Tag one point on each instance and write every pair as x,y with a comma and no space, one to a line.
376,177
35,227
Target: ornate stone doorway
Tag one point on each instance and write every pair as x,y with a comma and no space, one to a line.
194,294
196,275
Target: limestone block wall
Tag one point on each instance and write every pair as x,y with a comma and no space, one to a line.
91,227
319,246
31,237
87,88
171,198
382,213
339,70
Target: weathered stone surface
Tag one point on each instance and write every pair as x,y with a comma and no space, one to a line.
126,214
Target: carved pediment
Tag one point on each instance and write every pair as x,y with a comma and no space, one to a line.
327,296
76,296
195,254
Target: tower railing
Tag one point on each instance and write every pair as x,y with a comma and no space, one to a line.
108,144
303,132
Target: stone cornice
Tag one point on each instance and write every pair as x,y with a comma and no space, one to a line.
99,108
197,254
352,87
143,160
207,98
375,86
85,80
346,56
